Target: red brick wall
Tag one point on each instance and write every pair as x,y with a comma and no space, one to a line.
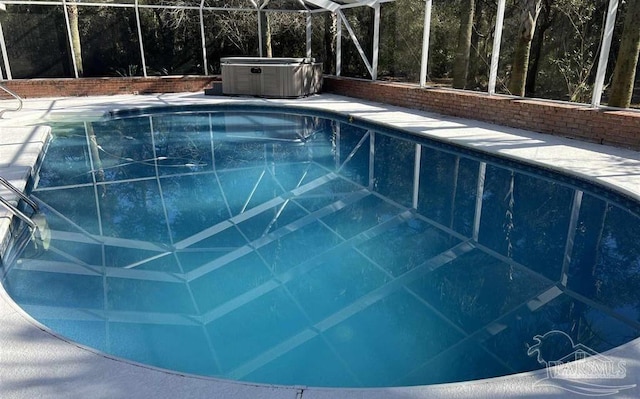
613,127
34,88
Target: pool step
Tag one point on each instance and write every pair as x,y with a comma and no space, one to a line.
21,150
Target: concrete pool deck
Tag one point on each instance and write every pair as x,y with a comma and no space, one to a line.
36,363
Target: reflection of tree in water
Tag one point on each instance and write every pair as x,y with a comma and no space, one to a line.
192,201
508,225
584,324
526,218
125,148
134,210
393,168
607,262
476,288
182,141
604,267
438,185
541,218
357,168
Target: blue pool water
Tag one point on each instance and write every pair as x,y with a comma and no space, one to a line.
269,246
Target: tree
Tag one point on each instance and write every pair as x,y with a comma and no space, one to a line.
577,37
545,22
627,61
392,40
233,32
477,66
265,22
530,9
461,64
75,36
329,40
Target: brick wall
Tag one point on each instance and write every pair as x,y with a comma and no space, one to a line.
619,128
34,88
614,127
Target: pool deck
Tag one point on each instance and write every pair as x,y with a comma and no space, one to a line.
35,363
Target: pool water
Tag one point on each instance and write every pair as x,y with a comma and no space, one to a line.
269,246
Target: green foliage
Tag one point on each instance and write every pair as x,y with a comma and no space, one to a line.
37,44
172,41
131,70
361,21
576,58
102,56
442,48
570,51
401,40
288,33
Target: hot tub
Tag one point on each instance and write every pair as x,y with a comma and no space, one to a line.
271,77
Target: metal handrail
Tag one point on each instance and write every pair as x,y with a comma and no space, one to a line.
14,95
19,193
16,212
14,209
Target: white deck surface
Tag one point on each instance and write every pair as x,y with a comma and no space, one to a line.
35,363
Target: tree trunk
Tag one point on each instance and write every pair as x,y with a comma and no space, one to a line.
528,17
75,36
390,50
473,71
625,69
536,48
265,22
268,36
461,63
369,24
330,33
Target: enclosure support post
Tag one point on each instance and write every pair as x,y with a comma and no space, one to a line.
260,44
357,43
5,57
425,42
604,53
309,32
73,55
204,41
376,41
338,45
142,58
495,52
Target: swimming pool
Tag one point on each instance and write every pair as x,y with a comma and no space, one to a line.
473,271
